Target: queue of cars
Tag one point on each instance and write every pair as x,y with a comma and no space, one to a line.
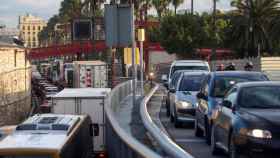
44,90
236,111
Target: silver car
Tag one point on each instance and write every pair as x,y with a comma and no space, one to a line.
183,99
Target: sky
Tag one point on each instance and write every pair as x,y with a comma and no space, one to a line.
10,10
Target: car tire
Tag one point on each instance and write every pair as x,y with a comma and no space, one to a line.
171,117
207,132
167,105
232,150
214,148
177,123
197,131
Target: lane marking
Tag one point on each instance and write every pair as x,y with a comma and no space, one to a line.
189,140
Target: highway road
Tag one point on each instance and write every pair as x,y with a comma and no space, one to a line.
184,136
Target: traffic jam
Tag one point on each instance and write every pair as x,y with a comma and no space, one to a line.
236,112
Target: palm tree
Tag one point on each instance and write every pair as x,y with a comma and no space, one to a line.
160,6
253,21
176,4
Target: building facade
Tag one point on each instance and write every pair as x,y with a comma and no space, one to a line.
30,26
15,84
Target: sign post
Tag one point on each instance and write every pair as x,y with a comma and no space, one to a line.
120,32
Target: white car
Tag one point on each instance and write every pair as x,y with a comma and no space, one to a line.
188,65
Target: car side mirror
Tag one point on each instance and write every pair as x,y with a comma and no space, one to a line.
165,84
172,90
227,104
201,96
164,78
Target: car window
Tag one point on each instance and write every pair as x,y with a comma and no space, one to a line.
231,95
224,83
191,83
263,97
174,80
176,68
205,86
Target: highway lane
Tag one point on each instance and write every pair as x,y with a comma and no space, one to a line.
184,136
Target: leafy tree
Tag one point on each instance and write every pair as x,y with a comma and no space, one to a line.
176,4
160,6
182,34
255,23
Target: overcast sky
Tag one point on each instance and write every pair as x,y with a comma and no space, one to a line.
11,9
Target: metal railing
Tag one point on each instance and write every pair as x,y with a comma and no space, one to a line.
168,146
119,143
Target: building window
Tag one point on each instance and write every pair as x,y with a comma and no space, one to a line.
34,44
34,28
23,27
39,28
34,39
28,33
28,28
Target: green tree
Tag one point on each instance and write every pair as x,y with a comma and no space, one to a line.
176,4
161,7
254,23
182,34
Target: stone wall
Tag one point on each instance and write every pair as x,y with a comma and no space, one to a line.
15,85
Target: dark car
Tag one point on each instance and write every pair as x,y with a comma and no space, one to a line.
183,99
248,121
213,90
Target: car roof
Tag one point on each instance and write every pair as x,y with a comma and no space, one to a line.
236,73
190,63
196,73
258,83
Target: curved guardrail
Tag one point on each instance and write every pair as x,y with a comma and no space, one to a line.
169,147
119,143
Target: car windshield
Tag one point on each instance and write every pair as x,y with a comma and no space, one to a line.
176,68
223,83
191,83
264,97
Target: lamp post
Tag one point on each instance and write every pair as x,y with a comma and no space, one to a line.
141,39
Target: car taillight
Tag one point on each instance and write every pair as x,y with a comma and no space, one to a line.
101,155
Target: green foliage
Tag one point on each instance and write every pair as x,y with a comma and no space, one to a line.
161,7
182,34
262,16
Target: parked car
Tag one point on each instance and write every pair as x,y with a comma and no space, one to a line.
213,90
187,65
248,121
183,97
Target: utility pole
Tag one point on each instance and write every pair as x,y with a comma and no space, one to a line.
213,55
192,7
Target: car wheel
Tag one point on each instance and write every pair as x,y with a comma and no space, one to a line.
167,108
177,123
214,149
207,132
233,153
171,116
197,131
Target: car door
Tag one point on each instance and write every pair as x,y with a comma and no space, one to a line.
224,117
202,102
172,95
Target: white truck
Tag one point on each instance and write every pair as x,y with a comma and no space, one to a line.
82,101
90,74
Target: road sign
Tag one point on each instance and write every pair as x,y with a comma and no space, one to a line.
128,56
118,25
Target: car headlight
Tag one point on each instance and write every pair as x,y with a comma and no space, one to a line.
183,104
258,133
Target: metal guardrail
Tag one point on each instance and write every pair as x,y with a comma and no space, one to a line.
169,147
119,143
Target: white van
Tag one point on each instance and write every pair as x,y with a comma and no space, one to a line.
188,65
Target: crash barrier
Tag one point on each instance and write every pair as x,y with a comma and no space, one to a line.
119,143
268,65
164,141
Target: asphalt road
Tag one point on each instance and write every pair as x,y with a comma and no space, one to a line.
185,138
